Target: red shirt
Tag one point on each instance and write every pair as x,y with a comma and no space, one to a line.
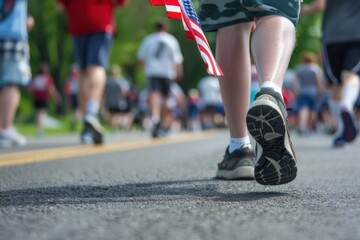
90,16
40,86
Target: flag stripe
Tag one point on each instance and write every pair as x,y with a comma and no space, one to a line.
212,66
211,61
201,40
173,11
157,2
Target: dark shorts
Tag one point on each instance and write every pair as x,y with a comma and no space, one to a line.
160,84
117,110
122,106
193,111
213,108
307,101
74,101
215,14
338,57
92,49
40,104
357,102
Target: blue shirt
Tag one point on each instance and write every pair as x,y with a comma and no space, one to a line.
13,18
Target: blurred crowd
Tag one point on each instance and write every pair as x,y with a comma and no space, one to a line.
125,106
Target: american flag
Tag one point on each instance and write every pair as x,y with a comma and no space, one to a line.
184,10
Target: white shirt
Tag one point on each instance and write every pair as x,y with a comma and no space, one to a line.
161,53
209,89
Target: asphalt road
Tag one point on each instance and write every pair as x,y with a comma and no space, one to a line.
136,188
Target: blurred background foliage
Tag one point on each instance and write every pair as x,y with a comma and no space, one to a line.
49,42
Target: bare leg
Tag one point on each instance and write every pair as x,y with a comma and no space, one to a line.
97,77
9,101
304,116
82,92
233,55
155,100
40,118
92,85
272,48
343,96
272,45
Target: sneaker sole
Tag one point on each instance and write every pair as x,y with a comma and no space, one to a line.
350,130
240,173
276,165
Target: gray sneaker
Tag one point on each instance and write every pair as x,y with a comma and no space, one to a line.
237,165
93,131
267,123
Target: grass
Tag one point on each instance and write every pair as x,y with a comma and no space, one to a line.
28,128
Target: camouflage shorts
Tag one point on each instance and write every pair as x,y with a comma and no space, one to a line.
215,14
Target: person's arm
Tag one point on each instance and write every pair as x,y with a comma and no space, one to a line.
179,72
314,7
142,63
30,22
61,6
121,2
53,92
296,86
320,82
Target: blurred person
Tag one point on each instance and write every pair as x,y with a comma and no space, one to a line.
326,121
341,57
117,91
180,107
14,66
288,91
357,109
267,27
309,86
71,88
255,84
143,115
92,33
211,106
162,60
194,123
42,88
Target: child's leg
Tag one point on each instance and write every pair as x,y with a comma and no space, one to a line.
9,101
272,45
233,56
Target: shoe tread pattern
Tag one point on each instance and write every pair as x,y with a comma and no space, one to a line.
276,165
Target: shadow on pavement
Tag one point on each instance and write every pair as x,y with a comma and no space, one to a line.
181,190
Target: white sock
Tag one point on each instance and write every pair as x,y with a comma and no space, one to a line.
237,143
335,109
155,119
5,132
92,107
349,95
269,84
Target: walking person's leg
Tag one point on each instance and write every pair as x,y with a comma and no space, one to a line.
267,117
14,73
92,52
343,76
9,101
233,55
